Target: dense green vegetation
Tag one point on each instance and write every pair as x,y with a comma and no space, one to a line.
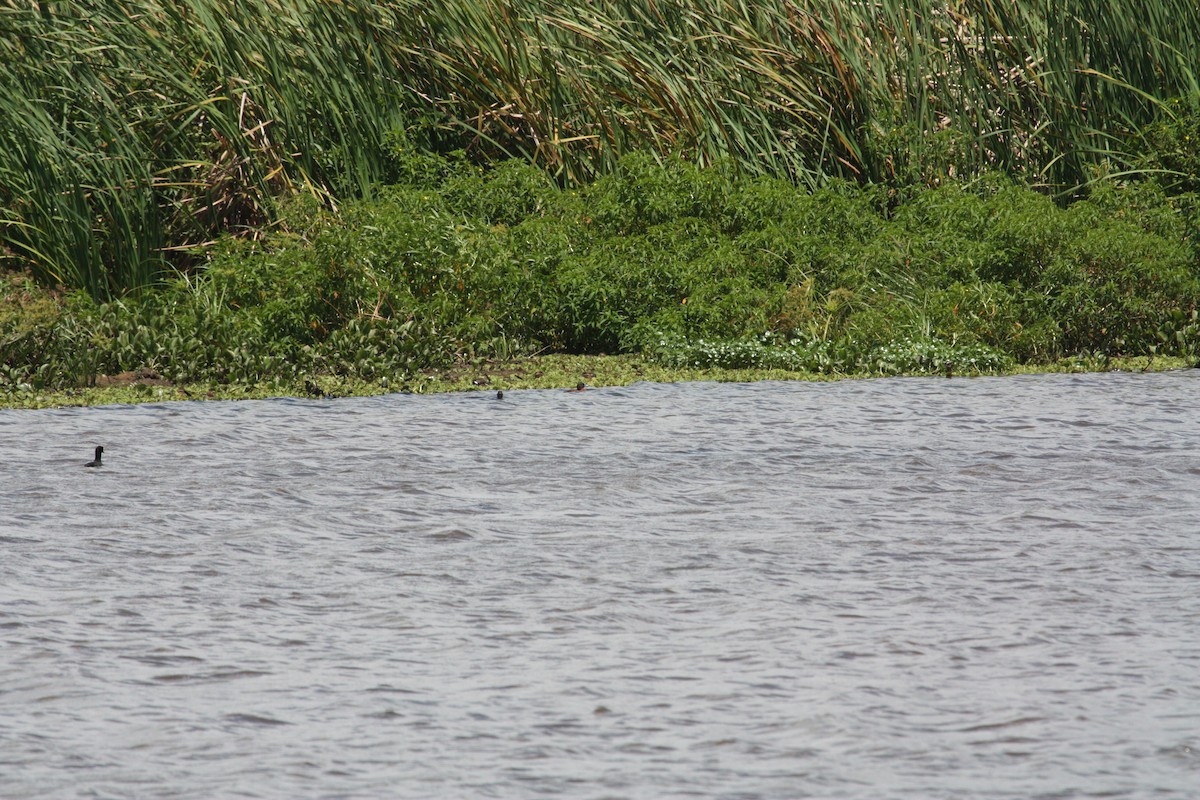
278,191
132,134
688,266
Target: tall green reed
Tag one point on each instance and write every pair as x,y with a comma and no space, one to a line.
133,133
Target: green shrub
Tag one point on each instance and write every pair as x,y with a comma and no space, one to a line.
704,267
1121,284
643,193
506,195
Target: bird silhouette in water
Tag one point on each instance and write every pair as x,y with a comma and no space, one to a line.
500,394
579,387
96,463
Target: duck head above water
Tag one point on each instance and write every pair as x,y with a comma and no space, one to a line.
96,462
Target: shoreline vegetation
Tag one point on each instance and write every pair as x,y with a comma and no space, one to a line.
224,198
556,372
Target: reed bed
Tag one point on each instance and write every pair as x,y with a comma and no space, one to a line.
134,133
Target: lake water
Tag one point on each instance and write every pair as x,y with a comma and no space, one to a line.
909,588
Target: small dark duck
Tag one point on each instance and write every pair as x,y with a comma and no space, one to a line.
95,463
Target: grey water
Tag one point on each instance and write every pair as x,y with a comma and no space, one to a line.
909,588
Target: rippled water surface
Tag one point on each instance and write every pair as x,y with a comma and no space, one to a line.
904,588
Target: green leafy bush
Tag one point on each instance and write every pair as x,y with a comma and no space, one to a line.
689,266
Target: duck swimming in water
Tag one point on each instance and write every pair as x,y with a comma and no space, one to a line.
96,463
579,387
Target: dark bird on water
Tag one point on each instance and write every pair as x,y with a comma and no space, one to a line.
95,463
500,395
579,387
